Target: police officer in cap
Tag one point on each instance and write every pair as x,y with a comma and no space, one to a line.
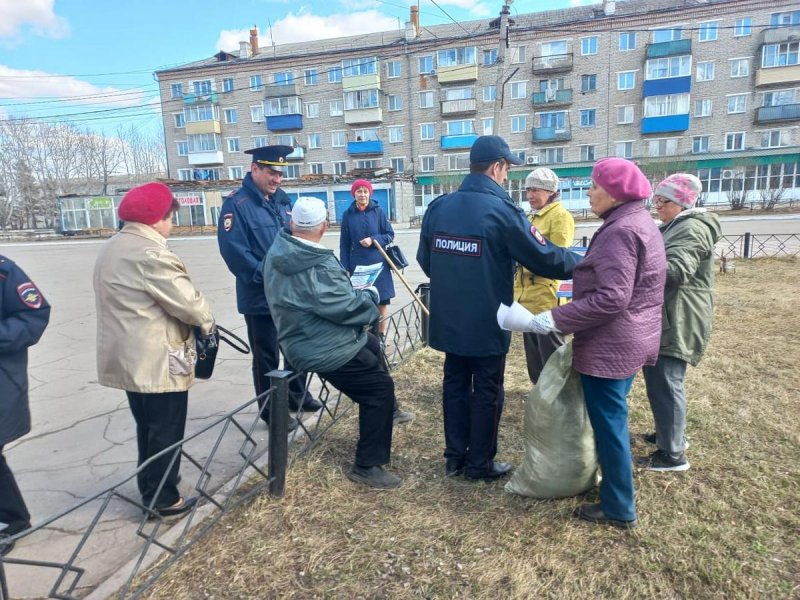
249,222
468,244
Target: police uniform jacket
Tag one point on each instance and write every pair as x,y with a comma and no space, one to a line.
146,309
24,314
248,225
357,225
468,244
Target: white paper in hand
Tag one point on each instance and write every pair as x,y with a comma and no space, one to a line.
517,318
502,311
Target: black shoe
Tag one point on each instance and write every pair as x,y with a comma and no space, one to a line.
498,470
182,506
401,416
662,461
650,438
594,514
453,467
310,404
14,528
5,547
374,477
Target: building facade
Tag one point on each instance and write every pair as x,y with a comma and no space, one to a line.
705,86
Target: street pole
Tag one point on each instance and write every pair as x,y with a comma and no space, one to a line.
501,59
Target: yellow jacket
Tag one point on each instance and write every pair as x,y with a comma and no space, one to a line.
537,293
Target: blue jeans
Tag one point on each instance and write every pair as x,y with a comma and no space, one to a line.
607,405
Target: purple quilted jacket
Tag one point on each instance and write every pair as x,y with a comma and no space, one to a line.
618,290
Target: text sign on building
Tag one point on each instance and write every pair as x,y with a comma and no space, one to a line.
99,203
190,200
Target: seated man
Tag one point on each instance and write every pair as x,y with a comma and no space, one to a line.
322,326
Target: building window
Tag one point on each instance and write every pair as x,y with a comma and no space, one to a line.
589,83
312,110
457,162
227,84
518,55
256,83
340,167
666,105
184,174
259,141
588,117
310,77
624,115
743,27
335,74
489,93
626,80
395,135
702,108
337,108
734,141
314,140
338,139
363,65
673,66
519,123
783,19
369,163
283,78
552,155
589,45
204,142
623,149
203,87
487,126
180,120
700,144
519,89
463,127
740,67
398,164
235,172
395,102
425,65
257,114
557,119
737,104
775,138
176,90
778,98
708,32
451,57
230,115
426,131
489,57
662,147
201,112
393,69
426,99
291,172
289,105
780,55
627,41
183,148
316,168
361,99
427,164
705,71
587,152
671,34
233,144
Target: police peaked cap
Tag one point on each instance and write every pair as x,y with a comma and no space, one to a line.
271,156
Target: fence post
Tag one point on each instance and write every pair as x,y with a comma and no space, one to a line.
424,294
278,430
747,242
585,241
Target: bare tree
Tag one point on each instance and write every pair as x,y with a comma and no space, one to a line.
769,197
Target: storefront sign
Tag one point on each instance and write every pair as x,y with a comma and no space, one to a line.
99,203
190,200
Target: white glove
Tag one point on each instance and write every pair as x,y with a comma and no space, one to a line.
542,323
374,291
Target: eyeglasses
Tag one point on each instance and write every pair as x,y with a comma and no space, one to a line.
660,202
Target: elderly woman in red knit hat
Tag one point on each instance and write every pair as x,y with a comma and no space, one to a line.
615,314
147,308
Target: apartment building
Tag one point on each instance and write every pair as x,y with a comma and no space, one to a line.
706,86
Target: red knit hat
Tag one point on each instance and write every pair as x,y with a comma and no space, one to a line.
359,183
146,203
622,179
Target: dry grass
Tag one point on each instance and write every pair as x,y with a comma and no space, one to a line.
727,528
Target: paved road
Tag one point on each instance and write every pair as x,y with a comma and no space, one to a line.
83,437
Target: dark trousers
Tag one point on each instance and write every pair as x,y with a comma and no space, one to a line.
160,422
13,511
473,398
365,379
263,338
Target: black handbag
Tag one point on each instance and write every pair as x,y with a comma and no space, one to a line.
396,255
207,347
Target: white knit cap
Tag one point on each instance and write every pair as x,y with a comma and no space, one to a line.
308,211
542,179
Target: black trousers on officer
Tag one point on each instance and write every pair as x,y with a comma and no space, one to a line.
160,422
472,399
263,338
13,511
366,380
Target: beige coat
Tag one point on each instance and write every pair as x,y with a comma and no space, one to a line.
146,307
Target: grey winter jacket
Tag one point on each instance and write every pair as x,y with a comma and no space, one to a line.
320,318
688,296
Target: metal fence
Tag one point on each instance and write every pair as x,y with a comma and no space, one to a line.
258,466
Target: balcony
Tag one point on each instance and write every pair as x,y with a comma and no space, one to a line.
284,122
673,48
364,147
551,134
354,83
777,114
357,116
778,35
276,90
464,106
552,63
781,75
667,86
200,98
457,73
211,157
552,98
209,126
666,124
462,141
299,153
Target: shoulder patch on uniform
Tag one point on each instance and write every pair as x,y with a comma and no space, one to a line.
537,236
227,221
30,295
463,246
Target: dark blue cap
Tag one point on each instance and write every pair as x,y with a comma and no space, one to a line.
271,156
488,148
